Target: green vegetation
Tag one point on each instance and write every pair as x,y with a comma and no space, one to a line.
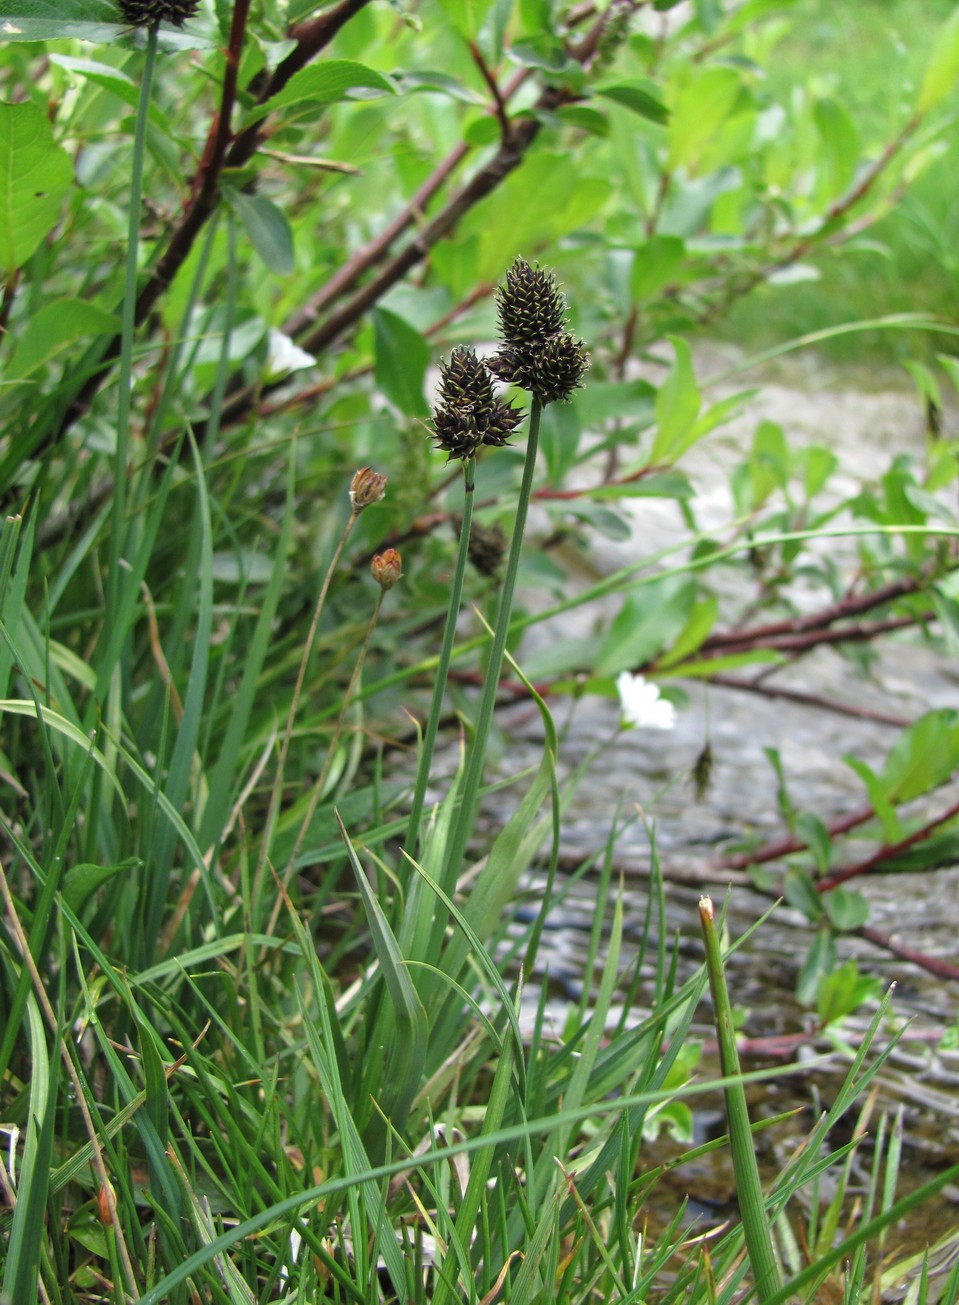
269,1028
870,57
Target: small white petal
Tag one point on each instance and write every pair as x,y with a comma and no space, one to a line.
642,705
286,356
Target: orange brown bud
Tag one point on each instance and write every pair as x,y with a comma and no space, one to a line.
387,568
367,486
106,1204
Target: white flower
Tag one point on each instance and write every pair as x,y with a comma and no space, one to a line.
642,705
285,356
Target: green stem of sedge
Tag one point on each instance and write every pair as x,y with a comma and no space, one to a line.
413,832
276,792
749,1192
324,774
116,575
466,816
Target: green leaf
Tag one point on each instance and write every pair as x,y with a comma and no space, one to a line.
840,144
587,119
847,908
59,20
82,881
467,16
800,892
655,265
702,106
663,484
812,830
25,1239
325,83
943,69
35,174
551,195
924,756
701,620
876,792
410,1030
843,991
268,230
677,405
401,357
818,464
709,13
711,666
640,96
647,622
53,328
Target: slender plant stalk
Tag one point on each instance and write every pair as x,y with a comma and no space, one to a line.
474,770
443,666
128,326
277,790
320,783
749,1190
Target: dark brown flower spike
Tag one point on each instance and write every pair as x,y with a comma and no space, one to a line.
538,353
147,13
468,414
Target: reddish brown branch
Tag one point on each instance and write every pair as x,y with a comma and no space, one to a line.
807,640
218,154
767,690
377,249
845,609
886,853
781,847
499,101
931,964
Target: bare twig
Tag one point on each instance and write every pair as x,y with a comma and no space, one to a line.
887,852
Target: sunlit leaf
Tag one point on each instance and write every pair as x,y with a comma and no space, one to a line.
942,70
677,405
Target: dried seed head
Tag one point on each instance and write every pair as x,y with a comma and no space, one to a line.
387,568
530,305
146,13
367,486
469,415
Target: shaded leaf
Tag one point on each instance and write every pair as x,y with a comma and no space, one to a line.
655,264
54,327
639,96
677,405
35,174
943,68
268,230
647,622
401,359
325,83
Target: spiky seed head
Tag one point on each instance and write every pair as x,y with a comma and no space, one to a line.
487,548
469,415
147,13
367,486
387,568
561,365
551,371
530,305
